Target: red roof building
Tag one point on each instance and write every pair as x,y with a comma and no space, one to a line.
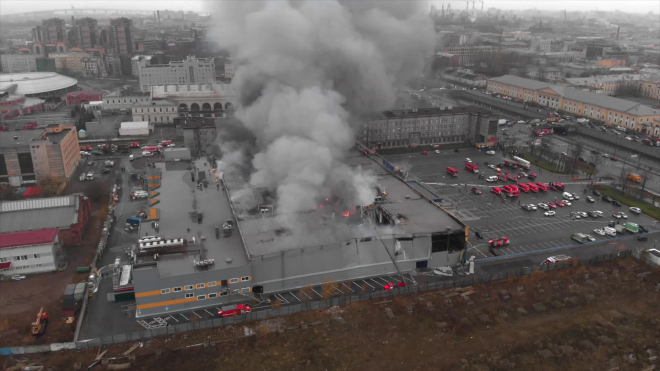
29,251
79,97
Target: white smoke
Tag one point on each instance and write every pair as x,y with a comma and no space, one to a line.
304,71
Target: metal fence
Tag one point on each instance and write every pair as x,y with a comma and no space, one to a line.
462,281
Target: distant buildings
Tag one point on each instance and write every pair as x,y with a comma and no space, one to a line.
542,45
161,111
604,84
189,71
15,63
466,53
76,98
650,88
620,112
53,30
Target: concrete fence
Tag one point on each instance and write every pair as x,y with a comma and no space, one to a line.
461,281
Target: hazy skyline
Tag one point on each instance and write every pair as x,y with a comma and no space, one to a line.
637,6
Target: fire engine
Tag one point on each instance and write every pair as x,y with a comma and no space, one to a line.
234,310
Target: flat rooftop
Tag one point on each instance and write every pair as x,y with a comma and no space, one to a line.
58,136
178,197
271,235
421,112
23,138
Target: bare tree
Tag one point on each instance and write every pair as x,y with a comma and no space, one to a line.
576,152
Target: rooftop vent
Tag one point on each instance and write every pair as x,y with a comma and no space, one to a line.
228,260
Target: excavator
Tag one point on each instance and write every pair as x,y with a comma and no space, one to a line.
39,326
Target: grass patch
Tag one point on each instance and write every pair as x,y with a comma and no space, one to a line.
630,200
540,162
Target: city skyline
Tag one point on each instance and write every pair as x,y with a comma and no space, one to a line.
638,6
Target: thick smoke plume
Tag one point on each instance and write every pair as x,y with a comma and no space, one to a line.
304,71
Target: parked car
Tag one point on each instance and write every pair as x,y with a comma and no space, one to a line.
425,152
599,231
498,242
566,202
607,198
616,203
105,171
476,190
18,277
544,206
496,190
596,193
590,199
492,178
490,152
549,213
635,210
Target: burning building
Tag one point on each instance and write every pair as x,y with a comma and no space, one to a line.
268,251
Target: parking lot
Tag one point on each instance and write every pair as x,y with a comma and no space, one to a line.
314,293
495,216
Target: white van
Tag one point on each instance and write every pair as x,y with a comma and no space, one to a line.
131,158
568,196
610,231
146,153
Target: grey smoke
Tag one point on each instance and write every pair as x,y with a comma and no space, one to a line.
305,71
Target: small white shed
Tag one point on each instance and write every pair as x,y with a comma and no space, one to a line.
134,128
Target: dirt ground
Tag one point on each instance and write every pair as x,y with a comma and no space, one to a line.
585,318
20,301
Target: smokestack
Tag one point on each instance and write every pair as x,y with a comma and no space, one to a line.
155,18
158,15
617,32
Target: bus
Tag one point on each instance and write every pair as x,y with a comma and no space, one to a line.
522,162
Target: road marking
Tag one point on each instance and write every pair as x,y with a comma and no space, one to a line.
337,288
282,297
208,312
173,318
372,280
181,314
317,293
348,287
294,296
196,314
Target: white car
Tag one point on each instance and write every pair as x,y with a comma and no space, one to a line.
567,196
598,213
533,207
18,277
146,153
575,215
468,160
582,214
491,166
591,238
600,232
610,231
490,152
575,196
491,179
521,121
605,155
622,215
549,213
636,210
437,151
567,202
544,206
85,153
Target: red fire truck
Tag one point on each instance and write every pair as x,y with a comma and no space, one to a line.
472,167
234,310
451,171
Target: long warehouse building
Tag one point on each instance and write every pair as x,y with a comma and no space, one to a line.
266,252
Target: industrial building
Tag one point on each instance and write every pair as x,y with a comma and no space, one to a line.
204,245
428,126
29,252
134,128
68,214
28,156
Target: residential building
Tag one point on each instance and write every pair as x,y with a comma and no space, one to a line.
53,30
403,128
28,156
650,88
70,62
120,36
93,67
605,84
229,70
29,252
199,133
153,44
38,34
15,63
268,251
45,65
135,62
113,65
539,44
160,111
187,72
69,215
598,107
86,30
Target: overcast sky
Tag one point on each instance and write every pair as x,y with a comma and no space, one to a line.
638,6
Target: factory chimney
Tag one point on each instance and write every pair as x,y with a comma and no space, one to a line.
158,15
617,32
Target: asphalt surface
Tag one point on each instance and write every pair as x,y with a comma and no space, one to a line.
494,216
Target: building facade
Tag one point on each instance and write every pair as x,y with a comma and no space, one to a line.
199,133
599,107
127,102
30,157
205,100
606,84
70,62
79,97
155,112
29,252
54,30
93,67
428,126
468,52
650,88
86,31
15,63
189,71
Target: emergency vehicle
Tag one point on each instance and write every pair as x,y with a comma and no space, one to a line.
234,310
542,186
472,167
499,242
556,259
451,171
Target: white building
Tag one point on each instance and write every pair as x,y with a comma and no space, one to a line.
29,252
134,128
190,71
542,45
114,101
155,112
15,63
135,63
229,70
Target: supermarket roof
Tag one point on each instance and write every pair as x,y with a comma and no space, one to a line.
36,82
26,238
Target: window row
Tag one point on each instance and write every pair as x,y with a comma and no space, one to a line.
215,294
23,257
204,285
